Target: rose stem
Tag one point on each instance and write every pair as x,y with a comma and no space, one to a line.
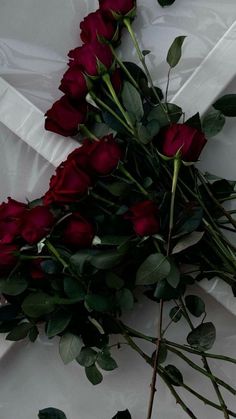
107,80
167,84
132,179
88,133
126,71
142,60
177,165
107,108
206,365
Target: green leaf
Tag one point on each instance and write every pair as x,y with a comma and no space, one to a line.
192,222
136,72
50,267
132,100
70,346
98,302
195,305
174,375
188,241
106,259
114,281
195,122
38,304
158,114
14,285
213,123
106,362
164,3
124,414
57,323
146,52
165,292
87,357
19,332
118,188
226,104
173,277
162,354
175,314
175,51
93,374
203,337
51,413
153,269
33,334
73,288
125,299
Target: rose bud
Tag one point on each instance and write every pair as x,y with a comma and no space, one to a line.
119,7
78,232
36,224
69,184
183,138
74,83
145,218
95,27
104,156
7,260
10,214
95,58
65,116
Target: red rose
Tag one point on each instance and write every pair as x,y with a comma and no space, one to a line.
65,116
96,26
145,219
120,7
36,224
10,215
78,232
69,184
74,83
89,56
7,258
182,137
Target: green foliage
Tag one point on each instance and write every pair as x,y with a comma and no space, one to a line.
51,413
38,304
124,414
98,302
132,100
19,332
58,322
93,374
174,375
106,362
153,269
175,51
213,123
70,346
14,285
160,115
87,357
73,288
226,105
175,314
203,337
125,299
195,305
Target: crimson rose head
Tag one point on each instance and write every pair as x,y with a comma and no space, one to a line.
95,27
74,83
95,58
118,7
77,232
69,184
104,156
183,138
145,218
36,224
65,116
10,219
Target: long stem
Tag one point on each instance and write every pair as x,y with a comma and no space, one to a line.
124,68
113,113
88,133
54,252
132,179
107,80
142,60
177,165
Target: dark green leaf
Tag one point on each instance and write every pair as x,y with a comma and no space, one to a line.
118,188
38,304
87,357
213,123
222,188
70,346
153,269
106,260
125,299
173,277
73,288
175,314
98,302
51,413
175,51
192,222
165,292
124,414
132,100
158,114
227,105
19,332
106,362
33,334
195,122
14,285
93,374
162,354
164,3
113,123
58,322
114,281
174,375
195,305
203,337
136,72
188,241
146,52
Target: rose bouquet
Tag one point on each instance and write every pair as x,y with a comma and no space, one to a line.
128,213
